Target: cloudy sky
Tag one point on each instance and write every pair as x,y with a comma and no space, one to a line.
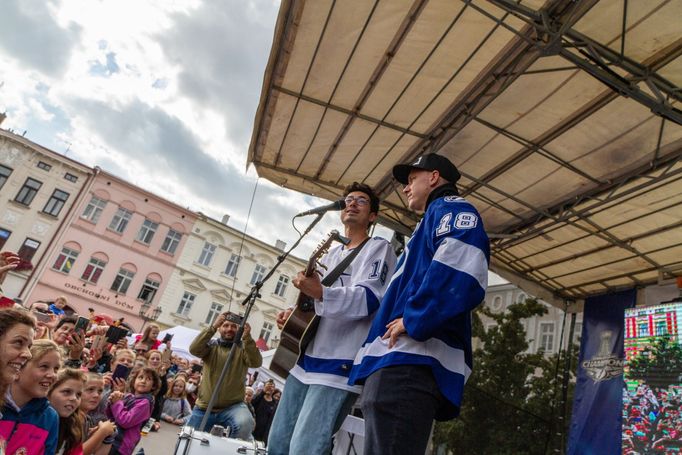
161,93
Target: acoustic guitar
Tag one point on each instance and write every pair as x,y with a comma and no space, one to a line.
302,323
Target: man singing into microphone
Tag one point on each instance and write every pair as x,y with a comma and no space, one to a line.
317,396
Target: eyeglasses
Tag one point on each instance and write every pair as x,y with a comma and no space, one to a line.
357,199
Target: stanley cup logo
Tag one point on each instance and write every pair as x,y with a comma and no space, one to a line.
604,365
605,344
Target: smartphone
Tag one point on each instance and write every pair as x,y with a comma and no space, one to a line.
167,337
121,371
42,317
82,324
114,334
148,426
98,342
196,368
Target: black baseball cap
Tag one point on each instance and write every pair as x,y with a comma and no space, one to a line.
429,162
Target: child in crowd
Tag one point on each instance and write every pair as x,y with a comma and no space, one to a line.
29,424
65,398
155,360
131,411
57,308
176,408
124,357
98,430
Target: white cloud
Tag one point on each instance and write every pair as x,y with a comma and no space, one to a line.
161,93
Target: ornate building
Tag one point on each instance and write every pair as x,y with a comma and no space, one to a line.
118,252
38,190
215,273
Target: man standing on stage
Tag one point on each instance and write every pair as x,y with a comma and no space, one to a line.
317,396
229,410
417,355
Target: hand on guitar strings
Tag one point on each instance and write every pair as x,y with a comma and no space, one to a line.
309,285
282,317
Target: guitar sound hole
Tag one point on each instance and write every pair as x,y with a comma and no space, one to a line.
307,305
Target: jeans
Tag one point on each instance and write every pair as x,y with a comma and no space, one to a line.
237,418
307,417
399,404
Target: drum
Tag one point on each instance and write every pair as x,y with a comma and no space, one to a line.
191,442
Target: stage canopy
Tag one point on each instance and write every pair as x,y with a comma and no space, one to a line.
562,116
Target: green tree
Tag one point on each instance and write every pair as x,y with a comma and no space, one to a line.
510,396
659,366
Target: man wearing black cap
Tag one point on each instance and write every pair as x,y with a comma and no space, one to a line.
229,410
417,356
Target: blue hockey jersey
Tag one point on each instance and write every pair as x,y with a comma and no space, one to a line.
441,277
346,311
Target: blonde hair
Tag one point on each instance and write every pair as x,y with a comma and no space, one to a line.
42,347
119,352
71,427
171,384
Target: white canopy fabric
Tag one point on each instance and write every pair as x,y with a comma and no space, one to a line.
182,338
563,118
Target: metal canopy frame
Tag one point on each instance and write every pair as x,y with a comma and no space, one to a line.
523,245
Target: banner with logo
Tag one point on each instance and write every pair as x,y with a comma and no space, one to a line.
597,403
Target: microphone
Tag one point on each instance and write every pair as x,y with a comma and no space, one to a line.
338,205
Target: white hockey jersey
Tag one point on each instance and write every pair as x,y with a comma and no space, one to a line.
346,312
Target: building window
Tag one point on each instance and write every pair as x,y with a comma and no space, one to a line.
186,304
216,309
147,231
232,265
71,178
4,235
94,209
28,191
643,329
44,166
258,273
266,331
148,290
281,286
521,298
5,172
207,254
65,260
120,220
122,281
93,270
661,328
28,249
56,202
547,337
171,242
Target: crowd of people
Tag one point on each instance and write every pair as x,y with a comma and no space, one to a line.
400,328
68,387
651,420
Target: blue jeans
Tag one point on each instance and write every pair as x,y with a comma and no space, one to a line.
307,417
237,418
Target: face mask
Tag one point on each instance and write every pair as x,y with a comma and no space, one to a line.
189,387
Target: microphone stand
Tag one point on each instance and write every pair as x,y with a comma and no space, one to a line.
249,301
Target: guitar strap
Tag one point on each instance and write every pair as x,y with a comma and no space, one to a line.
332,276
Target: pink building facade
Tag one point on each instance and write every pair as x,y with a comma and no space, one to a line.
117,253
